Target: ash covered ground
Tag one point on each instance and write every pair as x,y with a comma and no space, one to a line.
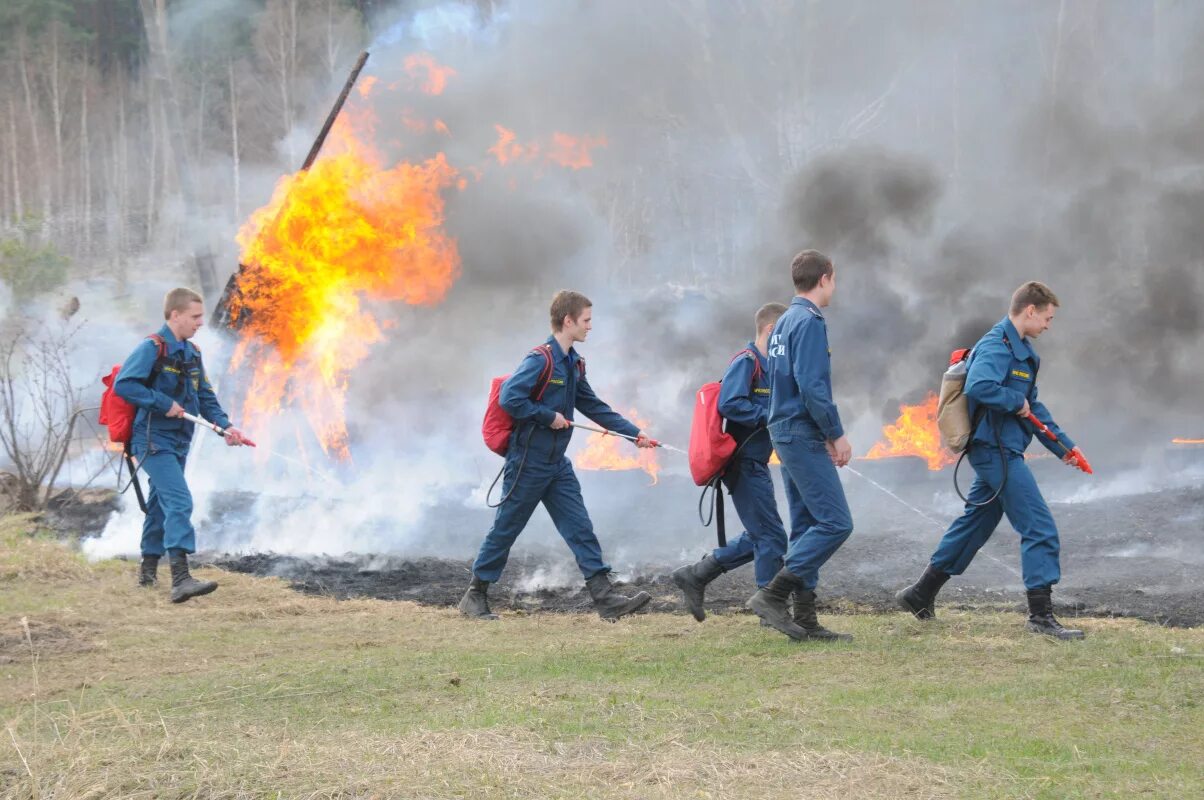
1132,545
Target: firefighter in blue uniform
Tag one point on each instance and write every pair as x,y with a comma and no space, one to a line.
1001,389
744,402
163,389
537,469
809,439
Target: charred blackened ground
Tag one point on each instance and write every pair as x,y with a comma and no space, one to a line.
1139,555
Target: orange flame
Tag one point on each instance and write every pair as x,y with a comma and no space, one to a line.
1187,441
430,77
347,231
773,458
616,453
914,434
506,149
366,86
572,152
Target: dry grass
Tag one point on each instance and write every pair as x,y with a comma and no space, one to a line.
126,759
108,690
28,554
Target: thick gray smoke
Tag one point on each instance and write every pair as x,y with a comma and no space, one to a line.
941,156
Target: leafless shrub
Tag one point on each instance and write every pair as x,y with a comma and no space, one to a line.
39,406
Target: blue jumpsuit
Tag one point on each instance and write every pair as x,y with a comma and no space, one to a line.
537,470
160,443
802,417
1002,374
744,403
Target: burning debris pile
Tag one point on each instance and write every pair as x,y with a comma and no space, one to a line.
347,233
344,231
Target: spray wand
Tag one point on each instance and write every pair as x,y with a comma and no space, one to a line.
1075,460
604,432
218,429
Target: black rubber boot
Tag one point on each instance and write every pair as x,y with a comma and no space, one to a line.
610,604
693,579
148,573
184,587
475,602
804,617
920,597
772,604
1041,618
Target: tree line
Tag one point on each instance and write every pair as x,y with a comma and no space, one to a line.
125,122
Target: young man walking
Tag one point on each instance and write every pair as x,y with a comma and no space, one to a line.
1001,390
809,439
537,469
744,402
164,378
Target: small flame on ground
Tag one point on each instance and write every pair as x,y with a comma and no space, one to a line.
914,433
1187,441
607,452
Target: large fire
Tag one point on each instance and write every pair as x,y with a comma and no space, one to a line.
914,434
607,452
346,231
349,232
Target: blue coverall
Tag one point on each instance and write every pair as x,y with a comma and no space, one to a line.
536,468
802,417
160,443
1002,374
744,403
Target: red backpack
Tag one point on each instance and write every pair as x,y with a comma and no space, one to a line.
116,413
498,424
711,447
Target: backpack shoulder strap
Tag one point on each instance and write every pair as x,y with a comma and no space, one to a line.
756,362
545,376
160,344
581,366
160,359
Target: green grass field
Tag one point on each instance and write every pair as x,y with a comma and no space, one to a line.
256,691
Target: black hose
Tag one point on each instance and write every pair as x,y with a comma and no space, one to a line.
522,461
1003,459
715,484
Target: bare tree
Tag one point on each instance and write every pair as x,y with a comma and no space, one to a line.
234,143
39,405
276,40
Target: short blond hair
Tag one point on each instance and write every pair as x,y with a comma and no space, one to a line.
178,300
1033,293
